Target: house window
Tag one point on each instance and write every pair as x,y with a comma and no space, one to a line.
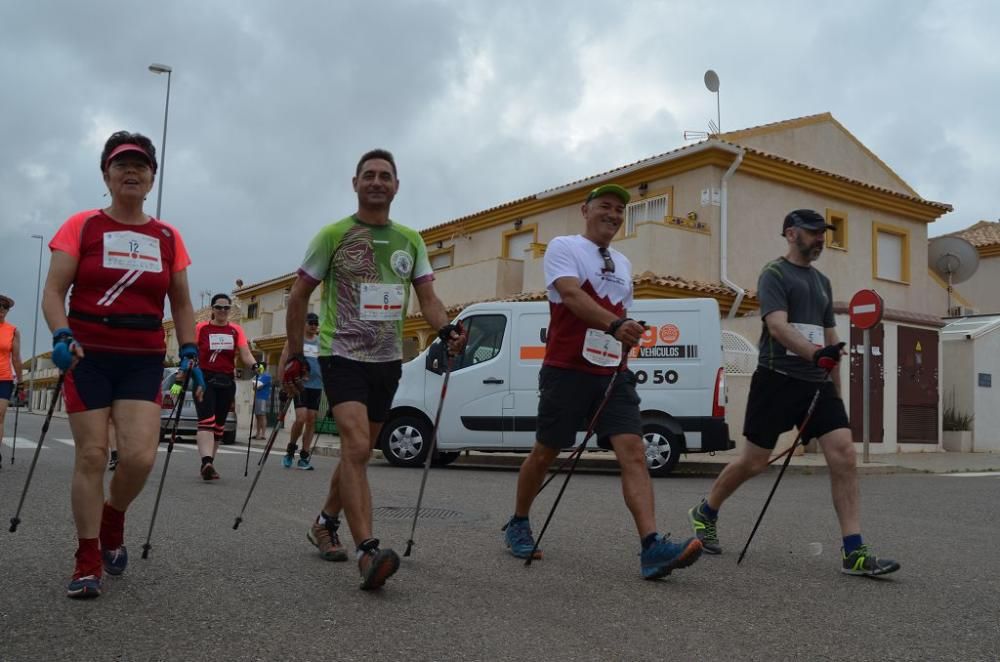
837,237
890,253
442,259
252,311
517,243
651,209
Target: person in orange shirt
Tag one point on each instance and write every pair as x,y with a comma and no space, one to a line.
10,361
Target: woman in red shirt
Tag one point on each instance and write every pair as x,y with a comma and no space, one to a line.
121,264
218,342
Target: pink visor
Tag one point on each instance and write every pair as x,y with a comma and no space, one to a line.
128,147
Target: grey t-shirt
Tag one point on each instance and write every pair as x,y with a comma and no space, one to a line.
805,294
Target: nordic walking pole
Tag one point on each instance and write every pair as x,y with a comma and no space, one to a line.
263,459
16,519
17,411
579,453
788,458
253,419
430,448
166,460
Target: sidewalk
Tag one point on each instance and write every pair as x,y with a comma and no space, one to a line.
702,464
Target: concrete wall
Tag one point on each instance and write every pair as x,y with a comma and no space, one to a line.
981,289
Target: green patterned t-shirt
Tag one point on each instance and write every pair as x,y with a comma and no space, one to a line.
366,271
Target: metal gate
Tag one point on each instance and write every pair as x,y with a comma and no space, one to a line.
917,386
877,372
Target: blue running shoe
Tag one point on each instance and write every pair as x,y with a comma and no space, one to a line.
115,560
663,557
84,587
520,542
286,461
305,463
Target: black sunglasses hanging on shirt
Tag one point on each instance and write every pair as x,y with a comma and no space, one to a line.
609,264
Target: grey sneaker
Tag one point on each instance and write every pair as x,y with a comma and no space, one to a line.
863,561
705,531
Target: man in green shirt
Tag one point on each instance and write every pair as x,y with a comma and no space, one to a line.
366,263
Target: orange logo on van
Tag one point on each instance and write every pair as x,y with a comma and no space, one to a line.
668,334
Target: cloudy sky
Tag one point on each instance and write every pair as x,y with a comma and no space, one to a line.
272,102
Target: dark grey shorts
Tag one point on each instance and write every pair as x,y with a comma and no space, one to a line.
568,399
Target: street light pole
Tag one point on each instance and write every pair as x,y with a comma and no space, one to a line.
162,69
34,334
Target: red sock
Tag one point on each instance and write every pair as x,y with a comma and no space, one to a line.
88,558
112,528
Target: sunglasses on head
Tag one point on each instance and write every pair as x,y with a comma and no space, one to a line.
4,305
609,264
222,307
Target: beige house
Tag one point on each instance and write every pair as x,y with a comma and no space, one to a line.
704,219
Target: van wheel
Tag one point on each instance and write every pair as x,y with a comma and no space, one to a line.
444,458
405,441
663,449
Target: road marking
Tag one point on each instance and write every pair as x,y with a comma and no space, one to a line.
223,451
22,442
973,474
68,442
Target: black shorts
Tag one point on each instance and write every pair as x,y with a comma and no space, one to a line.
373,384
309,398
568,399
6,390
100,378
220,391
777,403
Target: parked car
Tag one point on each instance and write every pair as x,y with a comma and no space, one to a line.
188,425
492,397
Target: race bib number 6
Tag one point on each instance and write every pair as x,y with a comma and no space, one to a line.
382,303
132,251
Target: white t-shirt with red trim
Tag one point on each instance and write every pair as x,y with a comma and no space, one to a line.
121,270
578,257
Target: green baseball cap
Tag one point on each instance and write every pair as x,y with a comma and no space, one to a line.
612,189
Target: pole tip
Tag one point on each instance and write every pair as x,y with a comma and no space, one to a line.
14,521
236,524
409,546
145,550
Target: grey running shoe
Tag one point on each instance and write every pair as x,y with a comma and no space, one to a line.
705,530
863,561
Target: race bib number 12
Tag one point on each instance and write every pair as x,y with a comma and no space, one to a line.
132,251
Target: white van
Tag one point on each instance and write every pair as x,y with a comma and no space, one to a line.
492,398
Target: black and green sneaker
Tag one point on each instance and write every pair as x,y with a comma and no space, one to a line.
863,561
705,531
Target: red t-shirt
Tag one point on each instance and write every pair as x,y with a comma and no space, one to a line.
578,257
121,270
217,346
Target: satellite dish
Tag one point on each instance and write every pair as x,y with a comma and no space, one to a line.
953,259
712,81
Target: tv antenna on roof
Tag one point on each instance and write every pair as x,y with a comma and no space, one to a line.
953,259
715,126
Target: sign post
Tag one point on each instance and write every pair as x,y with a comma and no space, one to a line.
865,311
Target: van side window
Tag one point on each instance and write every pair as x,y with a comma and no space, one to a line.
485,334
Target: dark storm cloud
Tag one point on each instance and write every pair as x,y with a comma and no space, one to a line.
272,103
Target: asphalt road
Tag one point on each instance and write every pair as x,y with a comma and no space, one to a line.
208,592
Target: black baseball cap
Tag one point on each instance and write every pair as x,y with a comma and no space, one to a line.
312,317
807,219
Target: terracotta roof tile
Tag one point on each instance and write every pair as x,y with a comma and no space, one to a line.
983,233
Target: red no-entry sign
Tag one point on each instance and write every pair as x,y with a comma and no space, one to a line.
865,309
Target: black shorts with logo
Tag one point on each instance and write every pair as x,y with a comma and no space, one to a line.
777,403
373,384
309,398
567,401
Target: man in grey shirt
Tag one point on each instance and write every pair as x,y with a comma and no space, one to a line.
799,352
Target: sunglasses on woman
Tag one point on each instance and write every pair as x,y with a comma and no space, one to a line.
222,307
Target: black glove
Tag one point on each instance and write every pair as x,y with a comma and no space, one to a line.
444,333
828,357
